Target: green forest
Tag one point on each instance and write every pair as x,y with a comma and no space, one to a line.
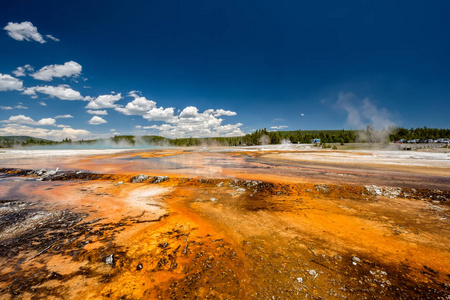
259,137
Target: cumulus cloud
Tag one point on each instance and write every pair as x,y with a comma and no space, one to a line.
6,107
42,103
104,101
190,122
9,83
189,112
97,112
24,31
62,91
21,71
47,121
160,114
187,122
221,112
55,134
139,106
96,120
64,116
49,72
361,112
21,119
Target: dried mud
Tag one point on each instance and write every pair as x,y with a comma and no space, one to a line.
84,235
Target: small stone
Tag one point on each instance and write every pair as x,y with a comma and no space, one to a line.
109,260
356,259
299,280
312,272
139,267
158,179
139,179
240,190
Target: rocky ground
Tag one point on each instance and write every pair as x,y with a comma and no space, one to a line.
171,233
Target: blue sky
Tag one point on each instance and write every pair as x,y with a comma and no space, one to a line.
85,69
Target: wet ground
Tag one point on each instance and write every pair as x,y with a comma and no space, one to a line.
222,225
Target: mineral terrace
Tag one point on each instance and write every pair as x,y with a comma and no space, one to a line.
202,223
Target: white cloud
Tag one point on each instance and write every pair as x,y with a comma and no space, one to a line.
49,72
221,112
190,122
139,106
24,31
63,92
6,107
21,119
20,106
47,121
21,71
279,127
230,129
9,83
189,112
160,127
302,115
104,101
49,36
64,116
96,120
55,134
42,103
97,112
160,114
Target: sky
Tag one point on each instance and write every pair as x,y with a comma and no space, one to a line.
91,69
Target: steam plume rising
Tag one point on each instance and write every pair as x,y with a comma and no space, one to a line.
364,114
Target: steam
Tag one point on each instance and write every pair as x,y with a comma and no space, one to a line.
264,140
139,143
375,124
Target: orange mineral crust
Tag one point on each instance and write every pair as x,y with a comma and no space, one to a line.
198,224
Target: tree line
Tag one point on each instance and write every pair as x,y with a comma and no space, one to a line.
258,137
419,133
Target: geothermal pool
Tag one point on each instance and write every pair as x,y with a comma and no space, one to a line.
225,223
